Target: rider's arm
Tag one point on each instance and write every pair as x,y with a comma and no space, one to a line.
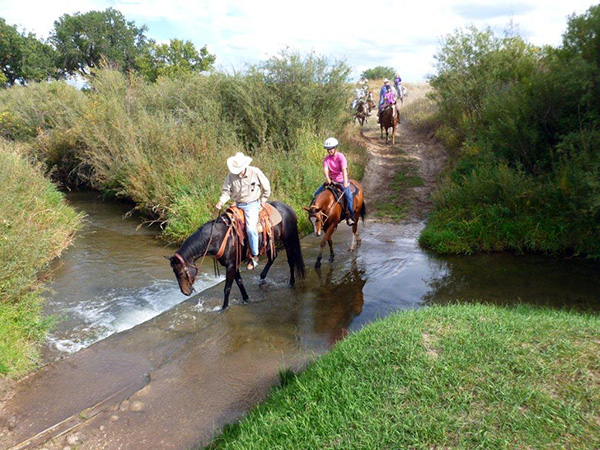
225,192
326,172
345,174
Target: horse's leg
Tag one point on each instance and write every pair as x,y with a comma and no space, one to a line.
326,239
240,284
270,261
355,235
230,276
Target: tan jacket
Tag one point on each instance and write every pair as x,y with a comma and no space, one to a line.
254,185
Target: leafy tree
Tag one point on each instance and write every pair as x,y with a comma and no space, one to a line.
23,58
174,59
379,72
84,40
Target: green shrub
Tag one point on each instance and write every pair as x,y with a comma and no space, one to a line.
35,227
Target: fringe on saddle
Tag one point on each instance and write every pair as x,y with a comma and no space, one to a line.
234,217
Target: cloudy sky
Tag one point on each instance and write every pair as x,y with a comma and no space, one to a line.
403,35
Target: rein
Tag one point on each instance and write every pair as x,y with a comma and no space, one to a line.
186,266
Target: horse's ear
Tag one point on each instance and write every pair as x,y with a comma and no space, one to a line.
305,208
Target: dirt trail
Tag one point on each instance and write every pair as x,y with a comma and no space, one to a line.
400,178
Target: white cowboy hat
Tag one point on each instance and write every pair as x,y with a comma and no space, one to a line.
386,81
238,163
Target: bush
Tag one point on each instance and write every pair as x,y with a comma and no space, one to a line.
523,122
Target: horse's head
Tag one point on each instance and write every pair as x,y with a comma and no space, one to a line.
186,274
316,217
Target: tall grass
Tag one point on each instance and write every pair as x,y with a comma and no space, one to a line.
35,227
164,145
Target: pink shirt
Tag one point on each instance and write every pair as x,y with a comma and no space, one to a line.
336,164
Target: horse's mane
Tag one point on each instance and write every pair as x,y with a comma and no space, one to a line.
195,245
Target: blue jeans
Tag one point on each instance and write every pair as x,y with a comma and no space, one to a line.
347,193
251,211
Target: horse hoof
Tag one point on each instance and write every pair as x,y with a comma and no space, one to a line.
318,265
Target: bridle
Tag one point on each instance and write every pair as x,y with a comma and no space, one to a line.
186,270
186,266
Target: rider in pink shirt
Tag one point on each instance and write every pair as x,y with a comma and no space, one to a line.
335,168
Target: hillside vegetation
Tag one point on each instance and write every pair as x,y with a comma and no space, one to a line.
523,124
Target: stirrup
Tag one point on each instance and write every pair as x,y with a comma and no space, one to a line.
252,263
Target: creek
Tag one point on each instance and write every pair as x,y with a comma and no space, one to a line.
114,277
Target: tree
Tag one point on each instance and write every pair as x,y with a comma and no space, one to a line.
174,59
379,72
84,40
23,57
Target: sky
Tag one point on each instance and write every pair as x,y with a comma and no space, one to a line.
403,35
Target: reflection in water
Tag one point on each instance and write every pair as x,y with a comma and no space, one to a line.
339,302
507,279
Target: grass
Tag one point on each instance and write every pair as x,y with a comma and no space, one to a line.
463,376
35,226
395,206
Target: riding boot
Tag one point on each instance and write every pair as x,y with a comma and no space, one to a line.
349,217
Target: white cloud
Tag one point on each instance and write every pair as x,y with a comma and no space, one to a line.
403,35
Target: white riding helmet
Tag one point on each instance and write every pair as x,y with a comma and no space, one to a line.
330,143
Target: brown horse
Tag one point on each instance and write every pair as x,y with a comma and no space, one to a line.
370,101
326,212
389,118
361,112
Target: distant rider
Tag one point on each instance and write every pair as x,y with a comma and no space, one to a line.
382,92
398,84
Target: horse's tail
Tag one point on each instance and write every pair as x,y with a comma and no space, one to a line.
292,239
363,212
296,253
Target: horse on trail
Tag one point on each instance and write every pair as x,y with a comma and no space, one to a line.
361,112
225,239
326,212
370,101
389,118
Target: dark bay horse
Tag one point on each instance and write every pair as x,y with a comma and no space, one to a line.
208,240
325,213
389,118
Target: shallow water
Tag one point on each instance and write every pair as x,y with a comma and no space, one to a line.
115,277
112,278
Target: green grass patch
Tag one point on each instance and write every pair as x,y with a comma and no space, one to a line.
35,226
395,206
463,376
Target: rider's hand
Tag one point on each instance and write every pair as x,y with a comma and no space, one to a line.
219,206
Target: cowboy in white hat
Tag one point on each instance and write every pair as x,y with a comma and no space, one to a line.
249,188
